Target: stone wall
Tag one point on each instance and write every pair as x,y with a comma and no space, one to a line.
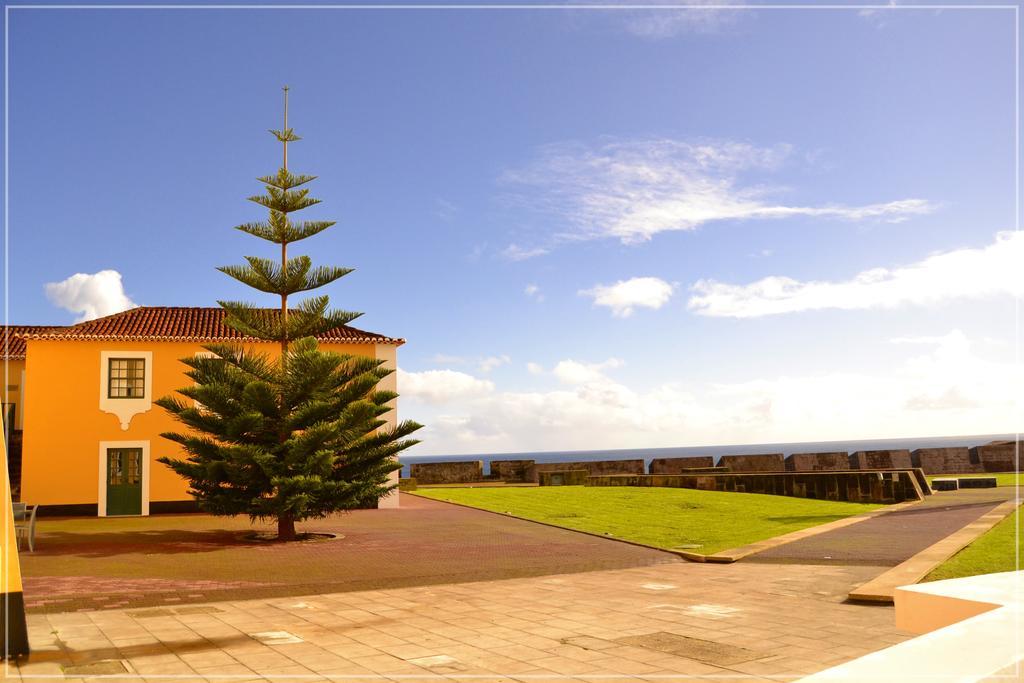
881,460
945,460
594,467
447,472
763,462
998,457
833,461
563,478
858,487
511,470
676,465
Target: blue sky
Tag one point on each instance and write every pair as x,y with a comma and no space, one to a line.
595,228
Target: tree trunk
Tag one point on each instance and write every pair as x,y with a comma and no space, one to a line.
286,528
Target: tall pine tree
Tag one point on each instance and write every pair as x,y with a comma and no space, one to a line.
294,435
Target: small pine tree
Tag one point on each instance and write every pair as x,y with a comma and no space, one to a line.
294,436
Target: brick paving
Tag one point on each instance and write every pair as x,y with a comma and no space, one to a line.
459,594
168,559
627,624
889,539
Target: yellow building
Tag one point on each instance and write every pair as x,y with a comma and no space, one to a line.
91,432
13,344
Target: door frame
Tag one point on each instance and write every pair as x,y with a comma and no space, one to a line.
102,498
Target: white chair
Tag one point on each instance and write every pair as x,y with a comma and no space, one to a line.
27,528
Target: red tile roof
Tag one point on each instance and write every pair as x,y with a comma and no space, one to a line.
167,323
12,339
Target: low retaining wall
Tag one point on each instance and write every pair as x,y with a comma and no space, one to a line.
761,462
677,465
999,457
956,460
593,468
832,461
855,487
511,470
881,460
447,472
563,478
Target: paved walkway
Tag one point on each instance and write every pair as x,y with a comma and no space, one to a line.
889,539
679,621
172,559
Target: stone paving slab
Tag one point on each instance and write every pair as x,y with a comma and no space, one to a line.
590,626
891,538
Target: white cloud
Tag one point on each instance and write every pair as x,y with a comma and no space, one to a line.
626,295
487,364
659,24
438,386
633,190
574,372
946,390
444,209
514,252
878,16
535,368
90,295
533,292
963,273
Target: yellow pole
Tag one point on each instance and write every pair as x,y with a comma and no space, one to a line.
13,628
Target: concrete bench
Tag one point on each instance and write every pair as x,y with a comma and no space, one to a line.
977,482
944,484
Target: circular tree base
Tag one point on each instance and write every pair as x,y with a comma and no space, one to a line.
308,537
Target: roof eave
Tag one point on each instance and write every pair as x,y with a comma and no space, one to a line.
163,338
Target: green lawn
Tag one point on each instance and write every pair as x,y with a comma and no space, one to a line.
992,553
1002,478
662,517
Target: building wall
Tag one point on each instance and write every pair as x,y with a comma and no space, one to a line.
14,392
389,354
64,425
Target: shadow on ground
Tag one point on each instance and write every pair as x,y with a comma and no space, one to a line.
155,542
165,561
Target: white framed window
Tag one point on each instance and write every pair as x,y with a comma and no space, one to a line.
126,384
126,378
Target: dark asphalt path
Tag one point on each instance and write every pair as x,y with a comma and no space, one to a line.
889,539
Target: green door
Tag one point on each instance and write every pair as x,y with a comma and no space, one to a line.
124,481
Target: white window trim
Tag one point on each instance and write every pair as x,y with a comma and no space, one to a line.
102,498
125,408
19,419
391,499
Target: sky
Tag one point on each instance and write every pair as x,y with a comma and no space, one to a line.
596,229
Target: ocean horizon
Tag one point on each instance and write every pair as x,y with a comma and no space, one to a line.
649,454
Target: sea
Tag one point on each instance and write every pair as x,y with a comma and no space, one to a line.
649,454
